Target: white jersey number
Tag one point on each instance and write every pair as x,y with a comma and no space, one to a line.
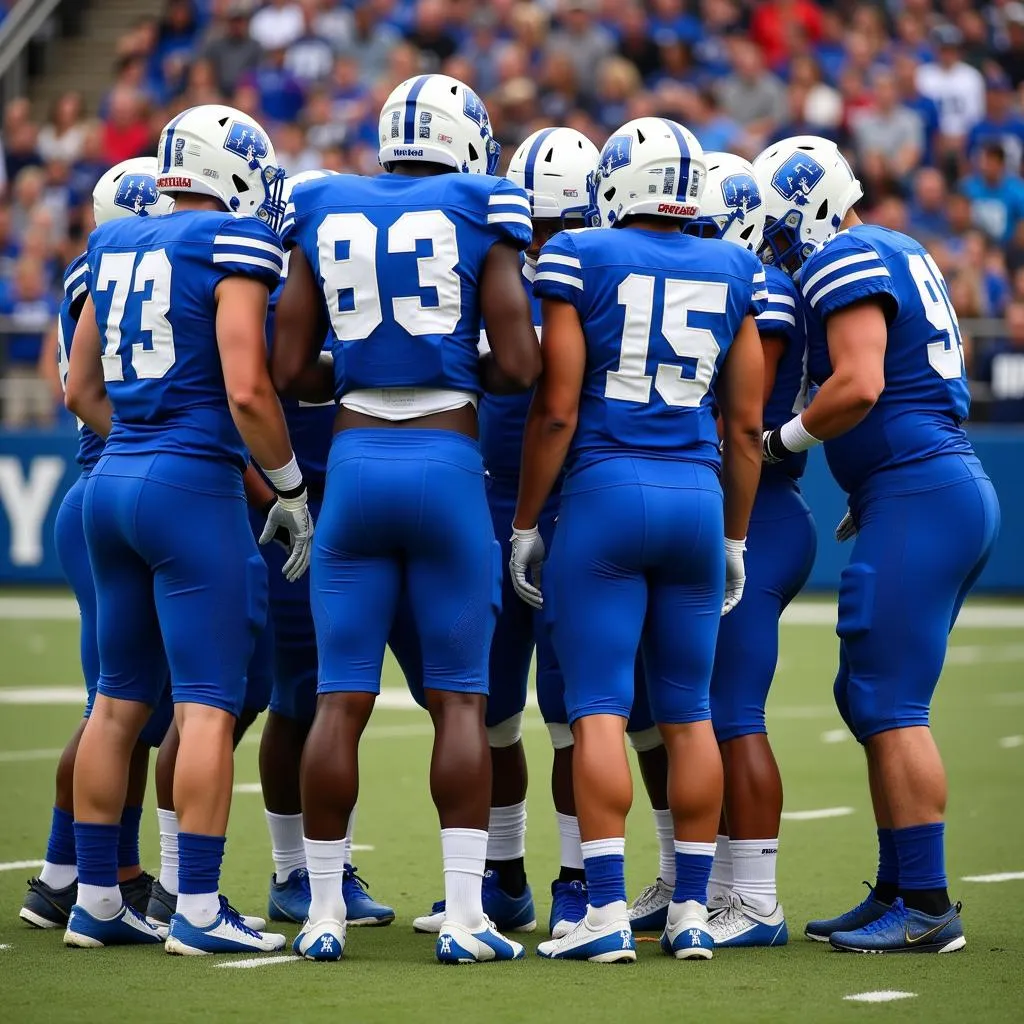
119,274
347,248
946,358
631,382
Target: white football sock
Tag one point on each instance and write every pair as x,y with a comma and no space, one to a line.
168,822
569,840
666,846
720,882
58,876
286,843
600,917
349,833
753,871
325,862
506,832
463,852
199,908
102,901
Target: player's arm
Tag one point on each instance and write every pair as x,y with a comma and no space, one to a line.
86,394
47,367
773,348
514,361
298,368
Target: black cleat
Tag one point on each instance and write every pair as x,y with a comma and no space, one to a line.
136,892
48,908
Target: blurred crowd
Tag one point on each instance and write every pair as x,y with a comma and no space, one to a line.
925,96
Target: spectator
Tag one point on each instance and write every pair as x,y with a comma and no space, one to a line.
311,57
323,129
635,42
529,25
721,19
233,51
771,25
125,133
957,88
430,33
293,152
201,86
889,130
337,25
348,94
830,50
281,93
798,123
715,132
478,49
617,82
585,41
8,245
928,217
277,24
670,20
996,196
174,46
90,165
1012,59
905,67
1001,123
20,138
751,95
558,81
62,137
675,65
889,212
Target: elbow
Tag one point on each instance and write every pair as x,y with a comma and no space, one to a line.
864,391
249,397
522,373
560,421
72,400
282,378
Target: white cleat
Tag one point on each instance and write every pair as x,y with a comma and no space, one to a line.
323,941
740,925
459,944
607,944
227,933
687,935
647,912
429,924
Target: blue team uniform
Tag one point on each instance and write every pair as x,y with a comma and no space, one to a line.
926,513
638,555
165,513
781,540
399,261
69,530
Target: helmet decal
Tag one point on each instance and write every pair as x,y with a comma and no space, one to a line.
797,178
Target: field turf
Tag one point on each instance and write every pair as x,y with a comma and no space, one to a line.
389,974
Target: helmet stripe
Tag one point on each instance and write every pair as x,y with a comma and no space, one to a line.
169,142
410,108
531,158
683,180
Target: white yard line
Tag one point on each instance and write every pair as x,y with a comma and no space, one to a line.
824,812
39,754
887,995
836,736
1011,742
262,961
976,654
1002,876
20,865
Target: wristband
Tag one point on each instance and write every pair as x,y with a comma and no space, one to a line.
287,480
735,547
794,436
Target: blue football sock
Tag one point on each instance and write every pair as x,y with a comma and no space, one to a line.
693,869
888,863
128,841
922,856
199,860
604,863
96,847
60,848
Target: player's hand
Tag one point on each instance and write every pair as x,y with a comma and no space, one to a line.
772,448
735,573
846,529
527,556
292,516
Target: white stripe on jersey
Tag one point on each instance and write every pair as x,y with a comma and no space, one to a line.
759,277
771,315
510,218
860,275
550,275
846,261
241,257
562,261
76,290
503,198
83,269
782,300
758,296
248,243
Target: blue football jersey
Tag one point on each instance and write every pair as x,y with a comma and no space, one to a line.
398,259
783,318
659,312
76,287
926,399
153,283
503,417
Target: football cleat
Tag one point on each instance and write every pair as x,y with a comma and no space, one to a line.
612,943
289,900
740,925
863,914
164,904
136,891
227,933
126,928
647,913
361,909
509,913
902,930
687,935
323,941
45,907
568,907
457,944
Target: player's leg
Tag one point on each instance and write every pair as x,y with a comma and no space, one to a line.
915,557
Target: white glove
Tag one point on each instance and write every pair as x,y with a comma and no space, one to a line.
735,573
846,529
527,555
292,516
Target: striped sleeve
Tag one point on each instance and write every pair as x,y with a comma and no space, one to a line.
76,281
559,271
758,292
781,314
508,214
844,271
246,247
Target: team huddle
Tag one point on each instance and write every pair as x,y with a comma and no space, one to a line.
563,412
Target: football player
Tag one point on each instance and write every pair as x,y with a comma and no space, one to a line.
400,269
884,344
780,553
170,356
127,189
554,167
639,320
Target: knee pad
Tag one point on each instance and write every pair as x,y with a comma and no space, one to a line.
645,739
506,733
561,735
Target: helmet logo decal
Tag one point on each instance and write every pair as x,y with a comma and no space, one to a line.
247,141
617,152
135,192
741,194
473,107
797,178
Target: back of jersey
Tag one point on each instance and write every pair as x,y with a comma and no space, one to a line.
399,262
153,282
659,312
926,397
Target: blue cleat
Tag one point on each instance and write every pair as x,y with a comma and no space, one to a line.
740,925
901,930
360,908
126,928
227,933
862,914
46,907
612,943
568,907
457,944
649,911
323,941
289,900
687,934
509,913
163,904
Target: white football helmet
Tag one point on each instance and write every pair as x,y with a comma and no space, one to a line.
555,167
128,189
218,151
732,207
650,166
440,120
808,188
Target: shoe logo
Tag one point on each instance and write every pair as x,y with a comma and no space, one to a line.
694,936
446,943
769,850
913,940
627,938
327,943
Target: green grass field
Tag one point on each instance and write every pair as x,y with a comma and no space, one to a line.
390,975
